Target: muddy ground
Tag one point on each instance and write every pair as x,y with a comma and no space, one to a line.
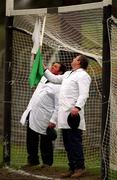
34,173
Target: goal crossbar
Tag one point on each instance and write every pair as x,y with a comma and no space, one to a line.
10,11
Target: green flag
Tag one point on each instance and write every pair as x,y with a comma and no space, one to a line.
37,70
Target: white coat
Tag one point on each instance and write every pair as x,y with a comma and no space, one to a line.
43,106
74,92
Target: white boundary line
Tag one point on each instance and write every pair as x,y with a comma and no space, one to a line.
21,172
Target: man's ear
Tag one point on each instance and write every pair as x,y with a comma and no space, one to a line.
78,61
79,64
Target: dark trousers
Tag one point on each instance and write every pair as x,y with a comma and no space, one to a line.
35,139
72,140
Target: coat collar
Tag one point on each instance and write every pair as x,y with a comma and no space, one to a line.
80,69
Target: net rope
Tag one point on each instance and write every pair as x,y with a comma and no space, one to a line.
110,133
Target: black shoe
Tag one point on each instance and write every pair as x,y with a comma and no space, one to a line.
28,166
45,166
67,174
78,173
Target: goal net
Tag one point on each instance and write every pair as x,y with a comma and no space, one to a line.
109,138
65,34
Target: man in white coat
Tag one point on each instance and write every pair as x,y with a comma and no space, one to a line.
40,113
73,95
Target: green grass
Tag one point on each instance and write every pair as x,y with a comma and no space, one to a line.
1,153
60,162
19,158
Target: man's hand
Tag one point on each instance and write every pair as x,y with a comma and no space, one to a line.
51,125
74,111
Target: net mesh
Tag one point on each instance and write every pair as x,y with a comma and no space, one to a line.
65,35
109,139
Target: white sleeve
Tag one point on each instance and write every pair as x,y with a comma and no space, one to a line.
57,79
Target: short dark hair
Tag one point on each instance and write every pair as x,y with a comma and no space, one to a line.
62,67
83,61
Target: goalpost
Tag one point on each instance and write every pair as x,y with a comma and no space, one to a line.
68,31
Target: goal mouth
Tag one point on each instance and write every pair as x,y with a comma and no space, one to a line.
66,34
68,31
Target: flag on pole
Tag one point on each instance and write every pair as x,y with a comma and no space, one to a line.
37,70
36,36
37,67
